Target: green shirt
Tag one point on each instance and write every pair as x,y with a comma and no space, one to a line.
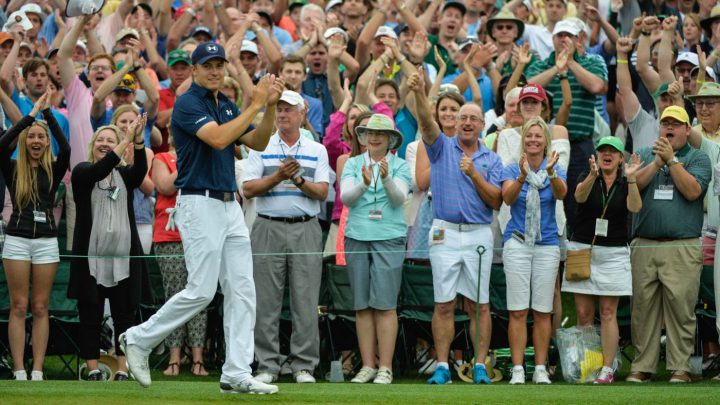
392,225
676,218
507,68
444,54
581,124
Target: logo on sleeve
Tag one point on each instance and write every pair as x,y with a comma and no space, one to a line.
201,119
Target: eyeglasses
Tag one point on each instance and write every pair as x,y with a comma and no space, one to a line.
699,104
473,118
681,71
97,68
672,124
502,27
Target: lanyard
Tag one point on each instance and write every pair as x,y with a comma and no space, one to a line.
376,178
605,197
297,151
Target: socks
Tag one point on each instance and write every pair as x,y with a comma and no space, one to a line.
443,364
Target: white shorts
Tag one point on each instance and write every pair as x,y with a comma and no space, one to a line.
38,251
455,262
530,274
610,273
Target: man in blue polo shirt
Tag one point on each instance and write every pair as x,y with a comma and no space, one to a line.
465,182
205,126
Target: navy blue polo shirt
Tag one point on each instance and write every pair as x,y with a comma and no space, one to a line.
199,165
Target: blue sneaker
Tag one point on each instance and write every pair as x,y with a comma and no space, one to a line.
480,375
440,377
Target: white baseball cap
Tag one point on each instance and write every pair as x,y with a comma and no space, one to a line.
566,26
293,98
33,8
331,4
688,57
18,18
709,72
385,31
334,31
249,46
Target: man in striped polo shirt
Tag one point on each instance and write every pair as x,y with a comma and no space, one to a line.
288,180
588,79
465,183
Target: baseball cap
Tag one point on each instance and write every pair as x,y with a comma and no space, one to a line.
709,72
76,8
662,89
534,91
688,57
18,17
566,26
34,9
331,4
5,36
467,42
127,32
265,15
385,31
178,55
208,51
126,84
292,98
80,44
613,141
296,3
249,46
456,4
334,31
677,113
400,28
26,45
50,53
201,29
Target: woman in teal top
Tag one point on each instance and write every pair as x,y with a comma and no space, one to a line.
374,186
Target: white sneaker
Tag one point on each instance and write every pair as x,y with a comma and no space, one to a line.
518,376
37,375
20,375
265,378
365,375
137,362
384,376
249,386
540,376
304,377
429,367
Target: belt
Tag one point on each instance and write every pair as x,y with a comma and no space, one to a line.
224,196
288,220
460,227
660,239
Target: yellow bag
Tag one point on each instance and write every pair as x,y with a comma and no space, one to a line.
577,264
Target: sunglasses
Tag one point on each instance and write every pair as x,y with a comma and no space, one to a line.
503,27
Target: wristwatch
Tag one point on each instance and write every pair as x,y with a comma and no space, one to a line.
553,176
672,162
300,183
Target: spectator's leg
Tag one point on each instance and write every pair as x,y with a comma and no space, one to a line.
43,278
123,314
646,306
17,273
580,152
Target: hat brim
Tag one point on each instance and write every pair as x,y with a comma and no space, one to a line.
533,96
394,143
126,89
706,24
520,26
696,96
610,145
176,61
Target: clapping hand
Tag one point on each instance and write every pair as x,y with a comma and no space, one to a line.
466,165
288,169
384,168
416,82
524,166
552,161
276,88
663,149
39,105
594,171
367,174
633,166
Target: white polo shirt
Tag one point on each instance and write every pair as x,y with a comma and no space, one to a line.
286,200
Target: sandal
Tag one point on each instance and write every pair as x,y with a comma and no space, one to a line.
172,369
200,367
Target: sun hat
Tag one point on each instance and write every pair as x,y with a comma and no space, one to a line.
708,89
380,123
613,141
706,23
505,16
677,113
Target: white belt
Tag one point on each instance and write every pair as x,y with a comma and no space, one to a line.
458,227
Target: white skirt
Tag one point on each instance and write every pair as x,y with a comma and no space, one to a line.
610,272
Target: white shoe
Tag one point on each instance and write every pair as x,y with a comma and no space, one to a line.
383,376
365,375
429,367
249,386
265,378
540,376
304,377
518,376
37,375
137,362
20,375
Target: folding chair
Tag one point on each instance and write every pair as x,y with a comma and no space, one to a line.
417,304
340,319
64,323
705,311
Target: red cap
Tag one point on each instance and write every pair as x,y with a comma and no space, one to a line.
5,36
534,91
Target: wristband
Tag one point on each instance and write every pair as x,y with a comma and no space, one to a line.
632,182
401,60
622,61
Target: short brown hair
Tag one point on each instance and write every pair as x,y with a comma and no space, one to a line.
102,56
34,64
293,58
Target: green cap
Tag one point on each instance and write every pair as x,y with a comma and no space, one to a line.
295,3
178,55
613,141
661,90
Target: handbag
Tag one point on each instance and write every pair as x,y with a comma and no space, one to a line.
577,264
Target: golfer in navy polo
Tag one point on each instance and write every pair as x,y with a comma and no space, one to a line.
205,126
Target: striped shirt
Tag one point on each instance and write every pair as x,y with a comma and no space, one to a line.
582,111
286,200
455,198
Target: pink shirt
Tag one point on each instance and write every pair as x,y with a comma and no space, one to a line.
79,100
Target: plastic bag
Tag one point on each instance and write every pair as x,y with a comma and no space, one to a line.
580,353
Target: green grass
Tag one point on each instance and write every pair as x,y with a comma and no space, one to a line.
401,392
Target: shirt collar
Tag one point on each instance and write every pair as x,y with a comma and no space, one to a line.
683,151
200,91
482,150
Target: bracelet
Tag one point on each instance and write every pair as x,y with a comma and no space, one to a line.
401,60
518,179
622,61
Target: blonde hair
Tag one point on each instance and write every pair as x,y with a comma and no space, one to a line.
362,108
122,110
536,122
26,180
118,137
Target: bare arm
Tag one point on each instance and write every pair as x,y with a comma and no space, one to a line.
650,78
65,62
11,110
362,45
178,29
665,57
428,127
9,66
162,178
589,81
426,17
270,49
630,102
153,97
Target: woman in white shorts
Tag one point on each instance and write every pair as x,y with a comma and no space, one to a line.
610,276
531,250
31,247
